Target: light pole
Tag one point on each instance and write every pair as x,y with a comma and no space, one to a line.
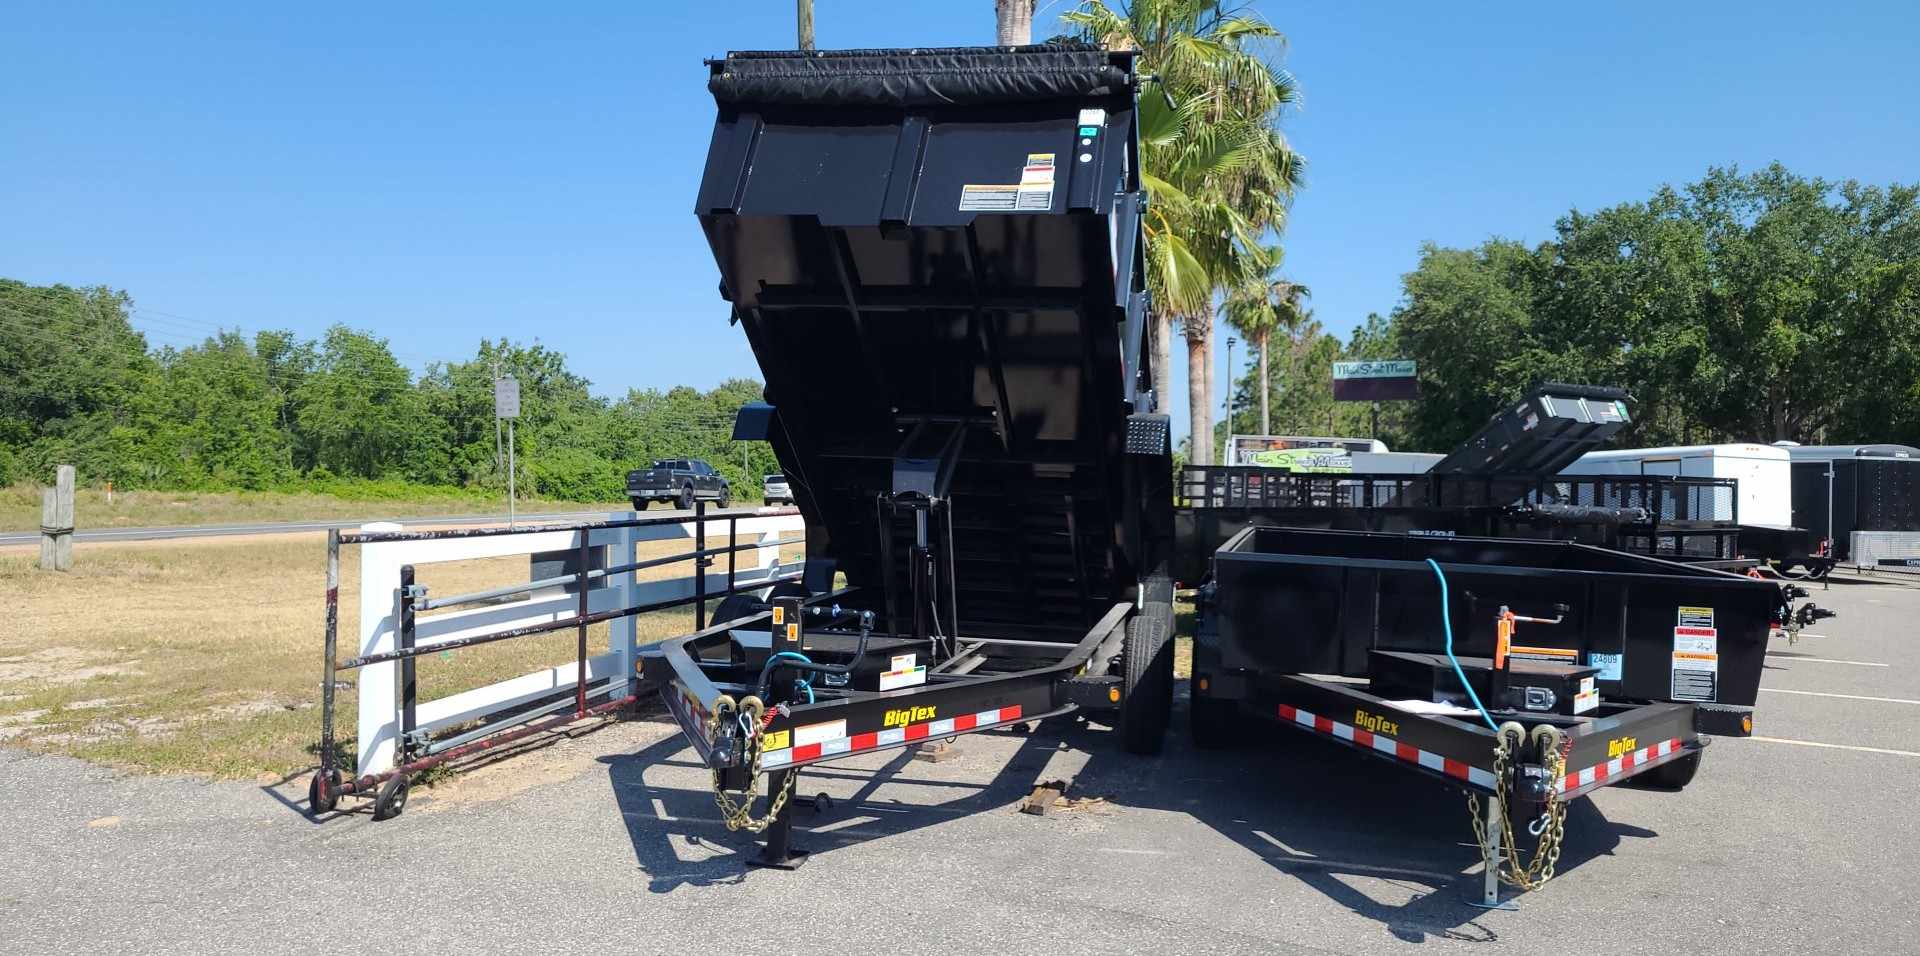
1230,341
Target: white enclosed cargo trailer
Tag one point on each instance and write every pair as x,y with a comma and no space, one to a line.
1765,491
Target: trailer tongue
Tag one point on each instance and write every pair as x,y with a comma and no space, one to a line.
935,256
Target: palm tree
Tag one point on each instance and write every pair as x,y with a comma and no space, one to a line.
1256,308
1218,174
1014,22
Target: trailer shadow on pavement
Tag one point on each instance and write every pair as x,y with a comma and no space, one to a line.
1331,819
679,838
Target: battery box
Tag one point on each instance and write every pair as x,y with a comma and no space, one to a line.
1531,684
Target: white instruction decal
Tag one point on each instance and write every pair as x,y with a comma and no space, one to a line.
819,733
908,677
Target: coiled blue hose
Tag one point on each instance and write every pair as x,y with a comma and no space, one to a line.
1446,621
802,658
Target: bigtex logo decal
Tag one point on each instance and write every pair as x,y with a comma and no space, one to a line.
1374,724
1621,745
907,715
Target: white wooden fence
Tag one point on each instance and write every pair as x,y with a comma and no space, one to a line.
610,673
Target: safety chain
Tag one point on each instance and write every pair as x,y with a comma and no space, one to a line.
1546,853
738,815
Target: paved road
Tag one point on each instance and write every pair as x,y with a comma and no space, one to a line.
282,527
611,840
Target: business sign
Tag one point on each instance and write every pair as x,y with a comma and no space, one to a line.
1277,451
506,398
1387,380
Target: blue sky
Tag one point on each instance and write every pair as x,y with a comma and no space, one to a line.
439,173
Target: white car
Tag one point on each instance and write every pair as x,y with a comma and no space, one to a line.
775,491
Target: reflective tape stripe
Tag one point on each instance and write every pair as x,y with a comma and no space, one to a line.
892,736
1618,766
1457,769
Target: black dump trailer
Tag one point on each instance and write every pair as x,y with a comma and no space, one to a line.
936,258
1524,672
1503,482
1861,501
1527,668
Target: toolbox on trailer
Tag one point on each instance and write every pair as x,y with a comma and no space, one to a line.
936,258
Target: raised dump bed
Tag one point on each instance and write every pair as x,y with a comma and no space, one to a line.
935,256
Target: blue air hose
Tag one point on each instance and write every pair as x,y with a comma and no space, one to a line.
802,658
1446,621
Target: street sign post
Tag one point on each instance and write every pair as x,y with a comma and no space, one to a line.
506,404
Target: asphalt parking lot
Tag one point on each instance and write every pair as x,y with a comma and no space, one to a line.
1800,839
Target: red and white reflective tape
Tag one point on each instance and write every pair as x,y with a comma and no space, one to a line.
891,737
1457,769
1618,766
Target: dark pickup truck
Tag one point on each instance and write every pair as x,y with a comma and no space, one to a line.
676,480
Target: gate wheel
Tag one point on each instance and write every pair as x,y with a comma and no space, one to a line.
323,792
392,798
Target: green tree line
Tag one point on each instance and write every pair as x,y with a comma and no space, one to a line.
80,385
1754,306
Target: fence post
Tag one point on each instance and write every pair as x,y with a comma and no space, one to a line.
700,564
409,691
56,523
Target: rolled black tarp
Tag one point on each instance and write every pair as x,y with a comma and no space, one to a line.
920,77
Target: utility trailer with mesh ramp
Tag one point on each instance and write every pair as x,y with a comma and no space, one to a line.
935,256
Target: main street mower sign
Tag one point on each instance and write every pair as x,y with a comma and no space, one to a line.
1387,380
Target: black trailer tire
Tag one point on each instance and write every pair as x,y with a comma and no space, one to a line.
1146,702
323,792
1674,774
733,606
391,801
686,498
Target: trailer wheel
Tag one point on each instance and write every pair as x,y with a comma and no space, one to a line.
1675,774
391,801
1147,662
323,792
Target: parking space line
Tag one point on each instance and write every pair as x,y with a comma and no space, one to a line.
1815,693
1816,743
1289,856
1824,660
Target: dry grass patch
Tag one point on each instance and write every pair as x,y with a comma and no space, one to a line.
205,656
20,507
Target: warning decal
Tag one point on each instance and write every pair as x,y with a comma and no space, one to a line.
1034,192
1036,183
1696,660
988,198
1695,617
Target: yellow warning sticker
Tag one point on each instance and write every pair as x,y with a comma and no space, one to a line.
776,740
779,615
